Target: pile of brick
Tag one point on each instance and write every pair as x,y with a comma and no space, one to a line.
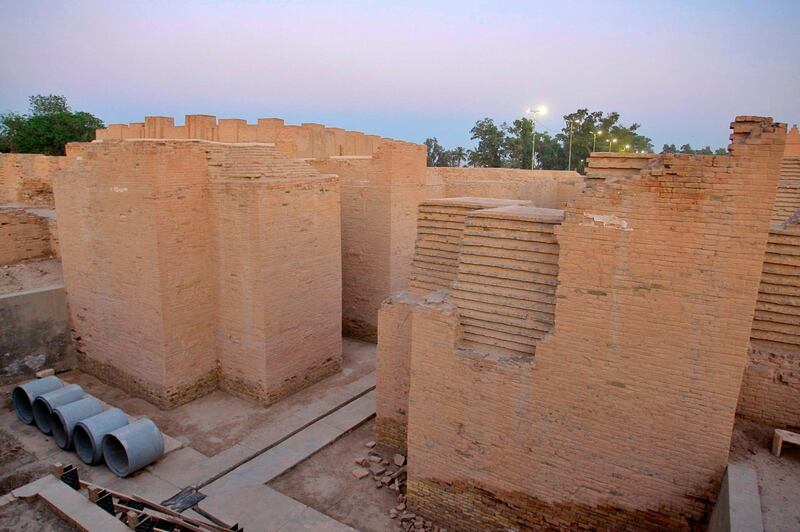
507,277
391,474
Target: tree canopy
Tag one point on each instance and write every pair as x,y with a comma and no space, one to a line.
47,128
584,131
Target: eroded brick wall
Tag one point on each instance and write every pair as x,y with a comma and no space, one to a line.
27,178
153,239
24,235
623,417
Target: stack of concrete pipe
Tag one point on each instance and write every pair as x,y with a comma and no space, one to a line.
76,419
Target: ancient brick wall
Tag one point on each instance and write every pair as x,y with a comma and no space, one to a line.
24,235
792,143
787,200
545,188
623,417
149,249
603,165
379,197
27,178
305,141
771,387
279,274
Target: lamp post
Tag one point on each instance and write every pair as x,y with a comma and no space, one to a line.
627,147
610,141
594,138
542,110
569,159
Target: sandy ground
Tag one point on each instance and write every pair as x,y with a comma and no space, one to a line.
219,420
30,275
326,483
778,477
21,516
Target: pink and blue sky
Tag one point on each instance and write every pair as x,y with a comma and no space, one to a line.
410,70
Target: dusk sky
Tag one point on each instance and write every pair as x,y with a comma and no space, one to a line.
411,70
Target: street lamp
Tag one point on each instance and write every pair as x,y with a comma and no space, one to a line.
610,141
569,159
594,138
541,110
627,147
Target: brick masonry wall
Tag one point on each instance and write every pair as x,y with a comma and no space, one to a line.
787,200
792,143
623,417
278,250
305,141
148,255
24,235
27,178
545,188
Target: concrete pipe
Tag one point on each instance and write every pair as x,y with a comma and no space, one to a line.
65,417
89,433
44,404
24,395
133,447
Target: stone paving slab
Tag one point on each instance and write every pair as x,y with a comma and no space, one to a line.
263,508
296,448
71,505
323,405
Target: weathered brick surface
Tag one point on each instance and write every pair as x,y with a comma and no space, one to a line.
27,178
24,234
440,229
187,263
605,165
787,201
792,143
771,387
545,188
379,199
623,417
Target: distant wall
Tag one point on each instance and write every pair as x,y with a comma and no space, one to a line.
307,140
24,235
544,188
28,178
379,197
792,143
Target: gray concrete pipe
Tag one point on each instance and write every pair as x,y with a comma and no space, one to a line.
24,395
132,447
89,433
65,417
44,404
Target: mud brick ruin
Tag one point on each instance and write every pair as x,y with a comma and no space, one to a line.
546,340
553,350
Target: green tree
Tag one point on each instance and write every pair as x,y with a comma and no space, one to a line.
47,105
490,150
435,151
456,157
48,127
669,148
517,143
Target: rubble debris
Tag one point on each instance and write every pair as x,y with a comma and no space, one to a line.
399,460
360,473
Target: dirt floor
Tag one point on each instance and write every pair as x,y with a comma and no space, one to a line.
326,482
21,516
219,420
778,477
30,275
